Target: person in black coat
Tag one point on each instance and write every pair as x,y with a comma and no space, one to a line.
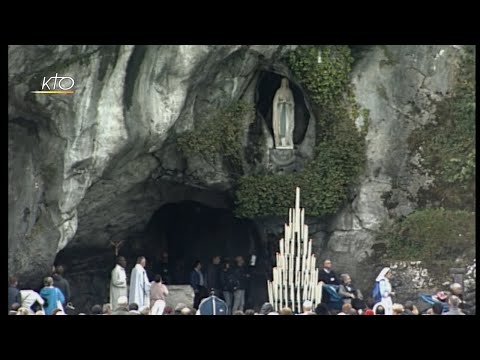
60,282
242,276
213,276
197,282
329,277
228,283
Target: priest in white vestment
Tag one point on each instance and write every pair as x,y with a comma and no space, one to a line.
118,284
139,284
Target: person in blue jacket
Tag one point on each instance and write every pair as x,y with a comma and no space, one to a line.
53,297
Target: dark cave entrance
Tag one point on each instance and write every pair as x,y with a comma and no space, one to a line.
189,231
186,231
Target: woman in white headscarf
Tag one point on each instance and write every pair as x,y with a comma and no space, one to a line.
386,289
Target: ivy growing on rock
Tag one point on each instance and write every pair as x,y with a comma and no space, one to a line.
324,72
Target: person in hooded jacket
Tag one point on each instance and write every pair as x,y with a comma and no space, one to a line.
60,282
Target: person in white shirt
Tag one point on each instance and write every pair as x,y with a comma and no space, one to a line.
30,297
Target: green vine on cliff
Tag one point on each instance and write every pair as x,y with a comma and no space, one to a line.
324,71
433,236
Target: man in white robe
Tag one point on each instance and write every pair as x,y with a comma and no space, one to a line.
118,284
139,284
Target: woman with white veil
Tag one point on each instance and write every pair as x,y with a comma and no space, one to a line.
386,289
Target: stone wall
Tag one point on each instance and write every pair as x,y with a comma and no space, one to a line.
180,294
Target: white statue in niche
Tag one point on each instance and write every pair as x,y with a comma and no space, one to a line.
283,116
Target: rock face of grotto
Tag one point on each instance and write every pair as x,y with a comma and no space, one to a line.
104,164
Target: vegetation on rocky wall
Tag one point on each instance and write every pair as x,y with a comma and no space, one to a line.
434,236
324,72
447,146
443,228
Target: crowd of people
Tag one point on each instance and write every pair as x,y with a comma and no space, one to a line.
381,301
137,295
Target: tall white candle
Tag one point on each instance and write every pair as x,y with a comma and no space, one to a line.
299,304
292,294
305,246
305,286
276,289
302,219
297,198
280,291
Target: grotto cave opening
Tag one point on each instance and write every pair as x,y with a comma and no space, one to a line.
176,235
